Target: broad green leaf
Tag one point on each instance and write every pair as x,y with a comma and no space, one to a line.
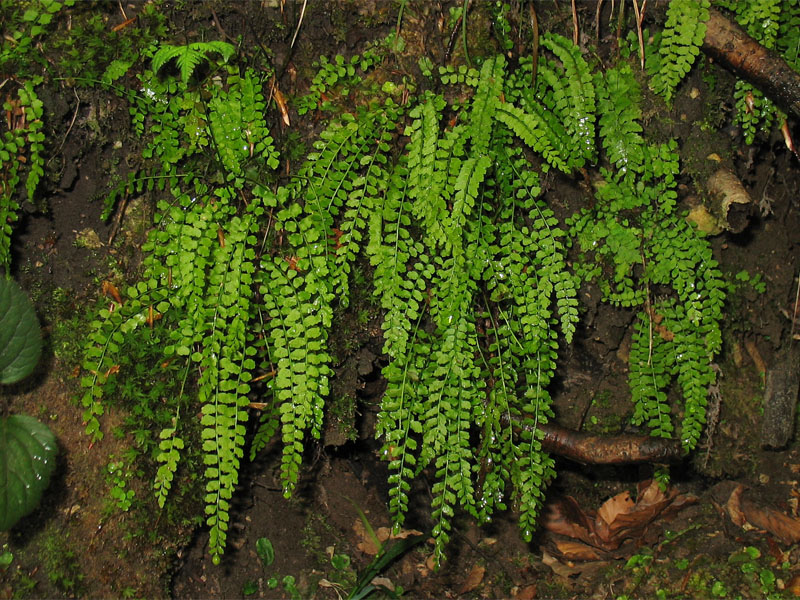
27,458
265,551
20,337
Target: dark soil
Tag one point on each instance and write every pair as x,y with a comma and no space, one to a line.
78,545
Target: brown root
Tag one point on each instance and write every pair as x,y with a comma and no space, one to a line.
730,46
607,449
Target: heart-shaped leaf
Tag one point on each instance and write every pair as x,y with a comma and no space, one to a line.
20,336
27,457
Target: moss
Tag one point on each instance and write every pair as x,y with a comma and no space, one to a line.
61,564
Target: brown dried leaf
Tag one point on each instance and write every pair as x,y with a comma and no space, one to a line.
755,356
283,106
569,569
734,508
526,593
782,526
367,544
559,568
430,563
473,580
572,550
403,534
566,518
617,520
110,290
384,582
652,503
793,587
613,507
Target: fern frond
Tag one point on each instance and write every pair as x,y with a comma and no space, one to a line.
486,99
116,69
539,133
168,458
573,96
297,300
188,57
453,386
683,34
238,126
650,363
368,186
618,106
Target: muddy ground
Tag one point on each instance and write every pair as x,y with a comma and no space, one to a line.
79,543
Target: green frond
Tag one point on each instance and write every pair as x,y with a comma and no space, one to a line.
651,364
541,134
369,185
774,24
168,458
618,107
297,302
242,276
238,127
573,96
188,57
486,99
116,69
199,261
683,34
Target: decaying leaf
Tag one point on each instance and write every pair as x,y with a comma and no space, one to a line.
577,550
367,543
739,504
755,356
473,580
568,569
110,290
526,593
383,582
596,535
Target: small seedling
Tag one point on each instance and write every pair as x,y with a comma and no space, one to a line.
265,551
249,588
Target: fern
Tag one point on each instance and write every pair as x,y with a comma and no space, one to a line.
198,272
557,121
188,57
635,226
21,149
620,131
683,34
456,184
169,456
469,264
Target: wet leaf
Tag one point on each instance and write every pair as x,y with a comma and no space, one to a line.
27,459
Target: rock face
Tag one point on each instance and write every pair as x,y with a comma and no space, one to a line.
780,400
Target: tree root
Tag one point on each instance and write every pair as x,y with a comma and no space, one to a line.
730,46
620,449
